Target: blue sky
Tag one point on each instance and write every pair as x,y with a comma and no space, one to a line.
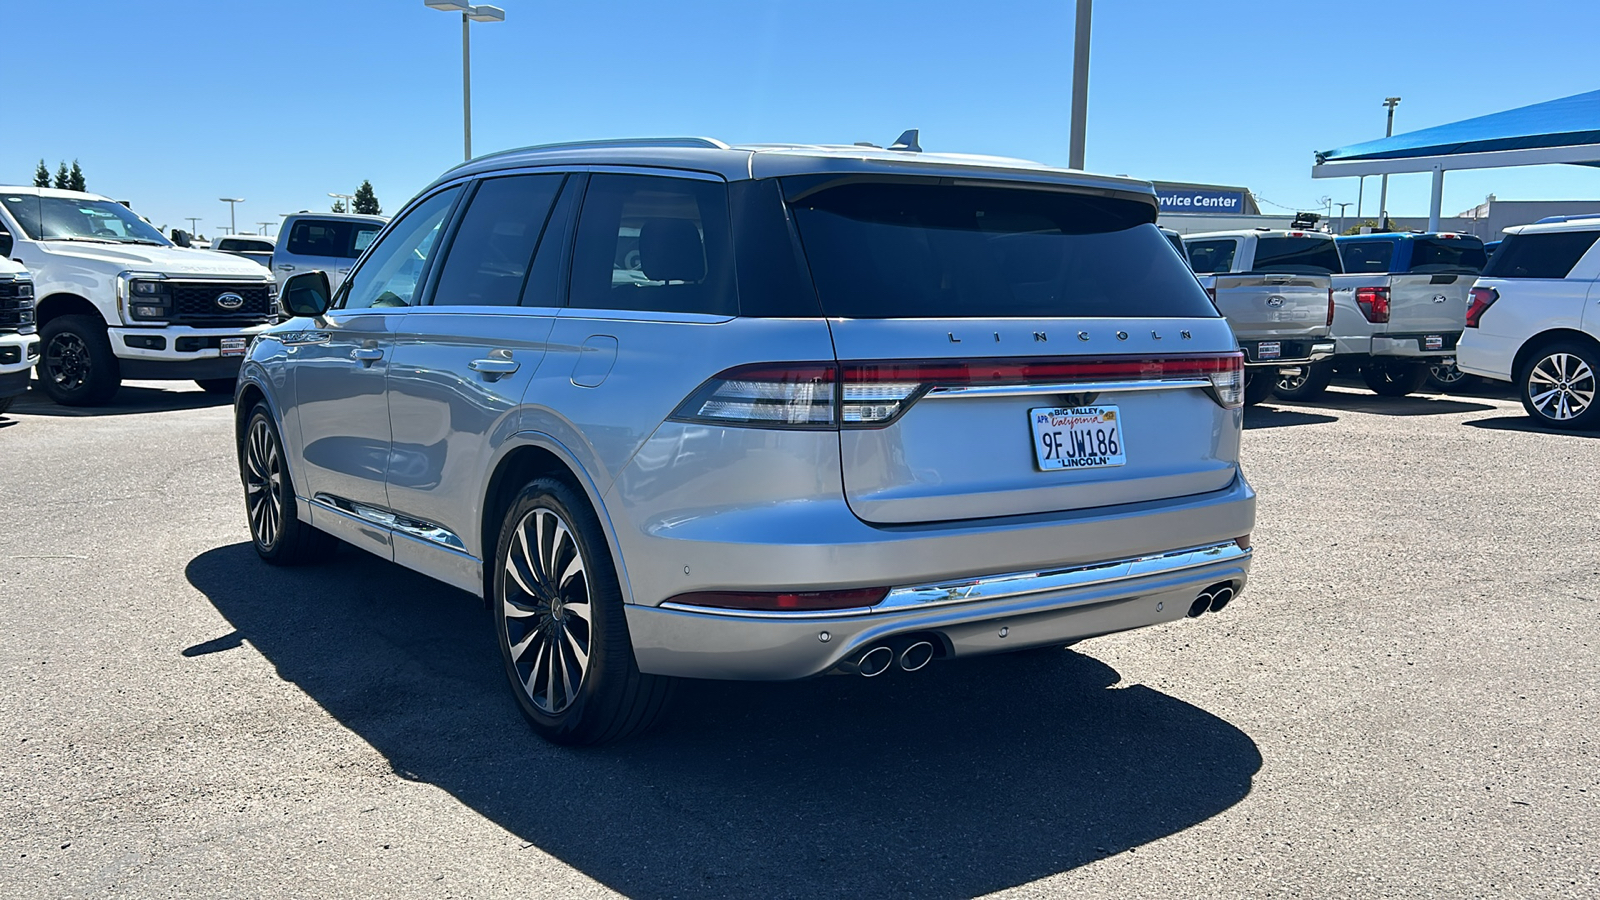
172,105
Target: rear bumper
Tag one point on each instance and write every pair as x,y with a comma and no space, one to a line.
1293,353
964,618
1414,345
1487,355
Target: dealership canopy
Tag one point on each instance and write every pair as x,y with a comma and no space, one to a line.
1556,131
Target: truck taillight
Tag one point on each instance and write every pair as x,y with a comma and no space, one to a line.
1374,303
1330,307
1479,301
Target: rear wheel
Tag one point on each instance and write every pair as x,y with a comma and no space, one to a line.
217,385
1390,378
1308,384
1447,377
1558,386
279,536
5,404
559,619
1258,385
76,365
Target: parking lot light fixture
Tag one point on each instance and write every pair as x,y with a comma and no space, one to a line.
233,221
349,200
469,14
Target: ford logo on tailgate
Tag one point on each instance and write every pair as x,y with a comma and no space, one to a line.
230,300
1275,301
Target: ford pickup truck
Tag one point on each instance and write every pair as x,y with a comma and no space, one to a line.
1276,290
19,344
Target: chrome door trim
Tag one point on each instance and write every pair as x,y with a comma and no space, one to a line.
383,518
1007,586
1075,387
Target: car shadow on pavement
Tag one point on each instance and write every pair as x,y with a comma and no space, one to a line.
1527,424
966,778
1273,417
129,400
1412,405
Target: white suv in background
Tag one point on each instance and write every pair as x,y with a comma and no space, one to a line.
1533,319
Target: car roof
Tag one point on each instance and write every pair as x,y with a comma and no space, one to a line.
252,237
750,161
1590,223
351,217
1258,232
30,190
1404,235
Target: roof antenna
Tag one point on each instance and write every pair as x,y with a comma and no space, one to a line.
907,141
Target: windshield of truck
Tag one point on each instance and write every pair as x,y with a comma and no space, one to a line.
1548,254
1297,255
1366,257
339,238
920,249
71,219
1460,256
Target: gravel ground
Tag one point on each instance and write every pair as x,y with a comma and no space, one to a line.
1403,704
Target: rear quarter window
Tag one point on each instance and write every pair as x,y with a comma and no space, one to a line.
1550,254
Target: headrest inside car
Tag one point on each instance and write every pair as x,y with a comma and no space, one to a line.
671,250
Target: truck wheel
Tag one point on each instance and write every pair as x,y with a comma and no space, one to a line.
276,531
1446,377
1393,379
76,365
559,621
1308,385
5,404
1258,385
217,385
1558,387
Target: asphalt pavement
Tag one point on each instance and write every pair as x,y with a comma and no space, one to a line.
1402,704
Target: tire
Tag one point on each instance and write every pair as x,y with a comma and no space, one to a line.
76,366
5,404
1558,386
218,385
1393,379
1446,377
1308,385
1257,385
279,536
556,630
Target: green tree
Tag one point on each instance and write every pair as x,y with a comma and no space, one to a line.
366,201
41,175
75,178
338,206
61,176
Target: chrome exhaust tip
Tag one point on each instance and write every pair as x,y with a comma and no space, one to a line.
875,662
1220,598
916,656
1200,605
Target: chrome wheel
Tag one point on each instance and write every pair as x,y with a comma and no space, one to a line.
1294,382
67,361
1561,386
263,483
545,601
1446,374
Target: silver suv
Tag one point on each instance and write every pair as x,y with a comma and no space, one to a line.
681,409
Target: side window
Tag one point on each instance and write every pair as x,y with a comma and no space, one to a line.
655,244
390,273
1549,254
493,247
1211,257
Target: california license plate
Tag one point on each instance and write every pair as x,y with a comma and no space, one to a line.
1077,437
234,346
1432,342
1269,350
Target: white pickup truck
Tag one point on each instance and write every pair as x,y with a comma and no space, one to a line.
1276,290
116,299
19,344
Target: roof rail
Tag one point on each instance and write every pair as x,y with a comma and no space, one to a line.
696,142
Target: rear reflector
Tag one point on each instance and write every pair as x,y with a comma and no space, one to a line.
858,598
1481,299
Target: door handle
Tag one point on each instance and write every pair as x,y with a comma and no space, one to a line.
286,268
494,368
367,355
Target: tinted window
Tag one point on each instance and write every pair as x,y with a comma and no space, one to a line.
1550,254
1366,257
658,244
546,283
340,239
1297,255
1459,255
492,248
390,273
245,245
903,249
1211,257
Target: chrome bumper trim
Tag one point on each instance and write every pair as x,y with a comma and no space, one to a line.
1003,587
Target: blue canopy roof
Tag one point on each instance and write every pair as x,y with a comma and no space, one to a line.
1565,122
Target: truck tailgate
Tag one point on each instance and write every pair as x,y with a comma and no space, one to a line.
1265,306
1428,304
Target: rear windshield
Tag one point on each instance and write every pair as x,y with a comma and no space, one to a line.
1550,254
246,246
335,238
922,249
1366,257
1462,256
1297,256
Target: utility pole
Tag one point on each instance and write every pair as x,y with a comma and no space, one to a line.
1383,192
1080,86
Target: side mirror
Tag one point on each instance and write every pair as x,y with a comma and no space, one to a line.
5,244
307,294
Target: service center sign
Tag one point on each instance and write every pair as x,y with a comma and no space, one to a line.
1201,201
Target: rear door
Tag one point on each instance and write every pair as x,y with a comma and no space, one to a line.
968,320
1430,299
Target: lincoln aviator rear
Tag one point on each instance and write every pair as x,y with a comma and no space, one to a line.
677,409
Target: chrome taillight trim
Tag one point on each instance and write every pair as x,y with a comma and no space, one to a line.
1069,387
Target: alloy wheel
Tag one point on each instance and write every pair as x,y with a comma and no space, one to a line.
67,361
264,483
545,601
1561,386
1446,374
1294,382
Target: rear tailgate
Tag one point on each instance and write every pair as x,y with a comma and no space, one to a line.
1266,306
1428,304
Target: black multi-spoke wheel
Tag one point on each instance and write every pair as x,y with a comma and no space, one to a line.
1446,376
1393,377
275,527
562,632
1307,382
76,365
1559,385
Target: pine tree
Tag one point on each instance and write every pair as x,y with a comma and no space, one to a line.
338,206
61,176
366,201
75,179
41,175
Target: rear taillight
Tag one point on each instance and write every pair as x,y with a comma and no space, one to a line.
778,395
1374,303
1479,301
857,598
1330,307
